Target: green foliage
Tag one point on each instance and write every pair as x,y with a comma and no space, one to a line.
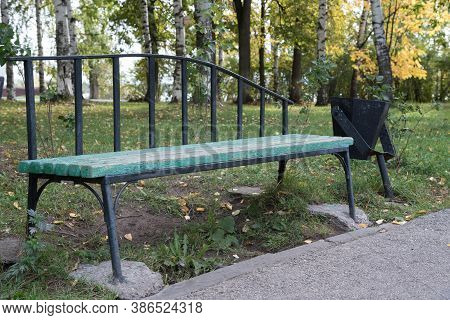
181,258
224,235
318,75
8,46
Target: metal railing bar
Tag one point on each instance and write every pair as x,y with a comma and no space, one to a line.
240,100
78,107
116,102
213,98
31,110
151,83
156,56
184,106
262,112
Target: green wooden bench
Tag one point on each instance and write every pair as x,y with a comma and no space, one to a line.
127,167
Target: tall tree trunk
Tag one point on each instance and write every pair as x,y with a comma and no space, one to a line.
64,67
296,76
154,41
145,26
10,90
243,10
262,75
180,47
322,97
359,45
37,6
206,49
220,76
275,68
383,58
94,72
72,33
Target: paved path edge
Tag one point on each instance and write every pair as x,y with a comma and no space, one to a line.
212,278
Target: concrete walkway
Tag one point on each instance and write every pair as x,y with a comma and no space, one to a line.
411,261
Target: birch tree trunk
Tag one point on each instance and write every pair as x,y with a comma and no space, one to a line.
275,68
322,97
73,46
383,58
10,90
64,67
296,76
37,6
243,11
180,47
359,45
206,49
145,26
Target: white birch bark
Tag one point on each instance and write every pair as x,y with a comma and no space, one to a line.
145,27
71,25
180,47
64,67
383,58
37,7
10,90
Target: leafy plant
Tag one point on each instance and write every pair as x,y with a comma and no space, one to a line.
8,46
182,258
224,235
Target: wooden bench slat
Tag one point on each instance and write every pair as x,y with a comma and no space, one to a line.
131,162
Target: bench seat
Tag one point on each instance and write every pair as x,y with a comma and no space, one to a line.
179,157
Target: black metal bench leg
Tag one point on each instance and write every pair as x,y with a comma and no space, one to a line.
32,200
344,158
110,219
281,169
385,177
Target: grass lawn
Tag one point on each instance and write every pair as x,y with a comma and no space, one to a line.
152,210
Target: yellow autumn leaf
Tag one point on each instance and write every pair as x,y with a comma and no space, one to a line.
128,236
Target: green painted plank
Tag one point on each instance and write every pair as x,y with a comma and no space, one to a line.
128,162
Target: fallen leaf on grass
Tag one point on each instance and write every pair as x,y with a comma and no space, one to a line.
216,194
399,223
16,205
58,222
141,183
379,221
187,218
408,217
235,256
421,212
200,209
128,236
245,228
363,225
308,241
235,213
74,215
10,193
227,205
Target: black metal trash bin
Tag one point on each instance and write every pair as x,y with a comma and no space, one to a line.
364,121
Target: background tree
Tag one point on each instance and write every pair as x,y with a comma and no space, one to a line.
322,97
64,37
243,10
11,94
383,58
180,47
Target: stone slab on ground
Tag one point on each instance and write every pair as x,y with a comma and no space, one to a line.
140,281
340,216
10,250
245,191
410,261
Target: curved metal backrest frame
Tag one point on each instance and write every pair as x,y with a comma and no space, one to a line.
151,81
